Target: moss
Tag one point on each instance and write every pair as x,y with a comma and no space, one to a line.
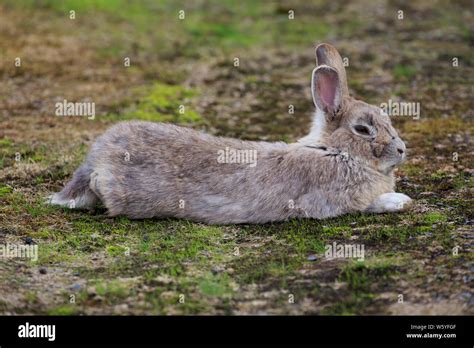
31,297
64,310
112,290
5,143
115,250
434,217
4,190
404,71
358,274
412,170
166,103
336,230
363,279
217,286
427,129
438,175
463,180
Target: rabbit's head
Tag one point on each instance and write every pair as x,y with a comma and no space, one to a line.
361,129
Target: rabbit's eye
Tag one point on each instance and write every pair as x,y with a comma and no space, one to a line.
363,130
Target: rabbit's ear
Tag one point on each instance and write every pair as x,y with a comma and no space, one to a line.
328,55
326,89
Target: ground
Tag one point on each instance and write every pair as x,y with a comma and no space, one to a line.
416,262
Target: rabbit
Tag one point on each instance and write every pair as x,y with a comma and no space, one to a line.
344,165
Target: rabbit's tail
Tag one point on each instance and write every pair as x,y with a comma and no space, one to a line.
77,193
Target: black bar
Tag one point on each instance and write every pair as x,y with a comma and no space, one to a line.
244,329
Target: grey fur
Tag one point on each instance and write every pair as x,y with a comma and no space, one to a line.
143,170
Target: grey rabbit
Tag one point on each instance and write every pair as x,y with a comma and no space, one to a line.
344,165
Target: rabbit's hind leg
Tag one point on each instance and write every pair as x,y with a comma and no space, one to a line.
96,182
76,194
102,184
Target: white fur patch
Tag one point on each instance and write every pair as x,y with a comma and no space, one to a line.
87,200
55,199
389,202
317,128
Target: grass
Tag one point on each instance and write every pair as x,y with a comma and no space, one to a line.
165,103
404,71
361,282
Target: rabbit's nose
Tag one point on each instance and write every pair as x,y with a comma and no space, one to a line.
400,146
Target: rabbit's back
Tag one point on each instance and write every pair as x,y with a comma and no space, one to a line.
144,169
171,150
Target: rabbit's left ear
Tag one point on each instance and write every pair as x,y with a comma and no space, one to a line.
328,55
326,90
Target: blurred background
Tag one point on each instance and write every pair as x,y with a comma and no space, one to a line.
191,60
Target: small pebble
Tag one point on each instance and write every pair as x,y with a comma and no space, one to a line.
29,241
76,287
217,269
312,258
465,296
42,270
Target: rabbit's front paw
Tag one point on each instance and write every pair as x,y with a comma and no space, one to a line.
389,202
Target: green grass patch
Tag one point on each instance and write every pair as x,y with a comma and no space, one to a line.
166,103
359,276
412,170
5,143
64,310
216,286
363,280
434,217
112,290
4,190
404,71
